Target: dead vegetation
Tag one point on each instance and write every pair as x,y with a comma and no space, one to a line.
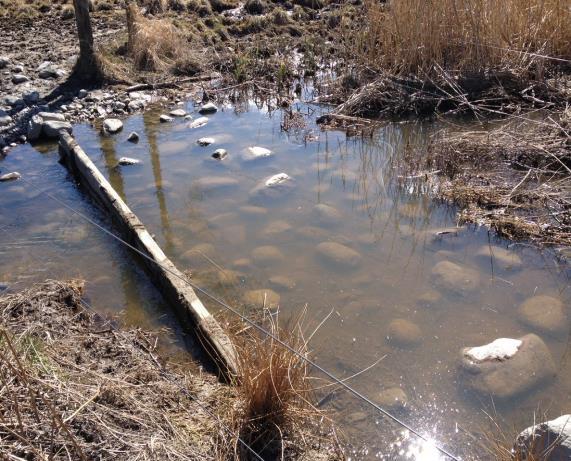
74,386
515,178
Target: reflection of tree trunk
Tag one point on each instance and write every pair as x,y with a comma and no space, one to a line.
150,132
115,178
87,67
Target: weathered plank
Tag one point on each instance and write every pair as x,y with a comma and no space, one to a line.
168,279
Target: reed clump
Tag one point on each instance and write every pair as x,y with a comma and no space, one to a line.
153,44
417,36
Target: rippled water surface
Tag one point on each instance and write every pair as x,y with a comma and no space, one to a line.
277,243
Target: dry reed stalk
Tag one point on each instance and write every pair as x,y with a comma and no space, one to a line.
412,36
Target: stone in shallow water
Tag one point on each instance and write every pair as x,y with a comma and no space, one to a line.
201,121
404,333
267,255
35,128
326,214
499,257
545,314
253,210
551,437
279,226
212,183
133,137
205,141
208,108
455,278
177,113
393,398
112,125
54,116
10,176
274,187
502,373
165,118
243,264
262,298
128,161
256,152
430,298
281,283
52,128
338,255
220,154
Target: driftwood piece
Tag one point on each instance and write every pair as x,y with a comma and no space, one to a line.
162,85
168,279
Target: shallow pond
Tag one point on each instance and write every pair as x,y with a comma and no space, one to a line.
342,237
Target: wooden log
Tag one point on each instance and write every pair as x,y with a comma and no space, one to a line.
168,279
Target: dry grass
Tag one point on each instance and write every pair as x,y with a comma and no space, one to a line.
154,44
73,386
416,36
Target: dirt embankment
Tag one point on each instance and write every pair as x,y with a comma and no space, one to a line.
75,386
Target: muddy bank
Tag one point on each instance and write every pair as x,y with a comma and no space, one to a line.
77,386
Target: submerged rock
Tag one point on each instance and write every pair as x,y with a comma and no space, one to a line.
455,278
404,333
267,255
208,108
220,154
281,283
201,121
262,298
338,255
326,214
112,125
211,183
430,298
205,141
10,176
255,153
548,441
274,187
165,119
506,367
133,137
128,161
499,257
393,398
545,314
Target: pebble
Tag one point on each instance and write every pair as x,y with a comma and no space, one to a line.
201,121
177,113
5,120
82,94
338,255
220,154
4,62
4,286
545,314
255,153
133,137
165,118
404,333
128,161
112,125
10,176
208,108
19,78
393,398
205,141
267,255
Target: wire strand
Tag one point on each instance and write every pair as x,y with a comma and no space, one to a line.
261,329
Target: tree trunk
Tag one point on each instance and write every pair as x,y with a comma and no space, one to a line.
87,67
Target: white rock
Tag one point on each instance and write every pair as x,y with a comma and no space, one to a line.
5,120
277,179
553,437
128,161
165,118
177,113
208,108
201,121
255,152
499,349
112,125
10,176
47,116
220,154
205,141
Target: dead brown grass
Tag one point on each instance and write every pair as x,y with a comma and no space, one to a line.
154,44
416,36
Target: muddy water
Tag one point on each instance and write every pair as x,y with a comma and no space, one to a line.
387,229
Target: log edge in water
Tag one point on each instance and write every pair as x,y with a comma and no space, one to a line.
165,275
